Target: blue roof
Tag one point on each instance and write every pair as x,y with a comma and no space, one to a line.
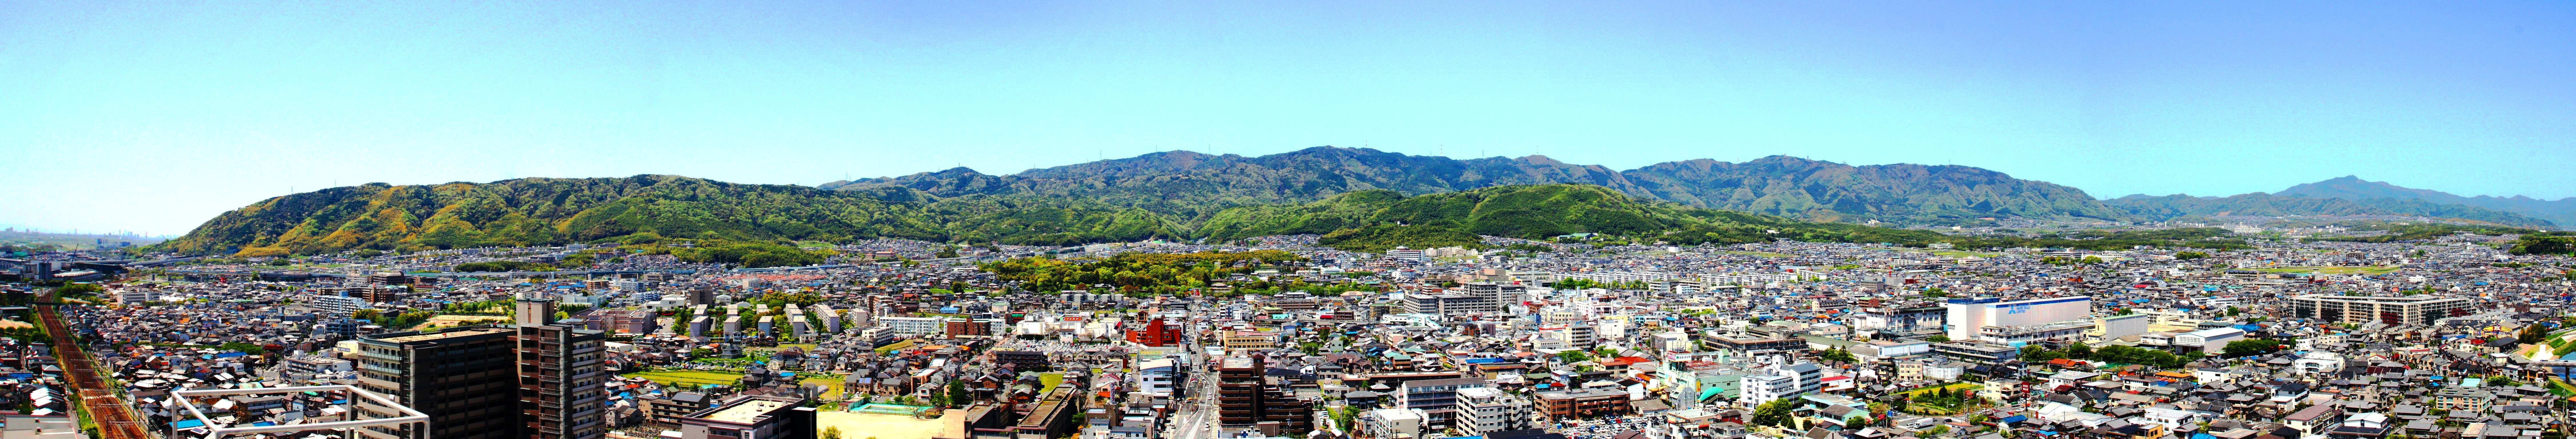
191,423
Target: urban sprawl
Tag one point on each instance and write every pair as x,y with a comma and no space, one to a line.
1275,337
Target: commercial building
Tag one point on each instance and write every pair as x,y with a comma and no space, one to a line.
1159,377
1437,399
1977,351
2210,340
751,417
2399,311
1584,403
2019,322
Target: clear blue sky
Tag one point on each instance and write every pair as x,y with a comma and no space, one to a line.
155,117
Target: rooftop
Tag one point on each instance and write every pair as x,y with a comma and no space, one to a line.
747,411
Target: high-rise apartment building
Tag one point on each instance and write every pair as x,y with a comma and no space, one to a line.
463,378
559,374
1247,398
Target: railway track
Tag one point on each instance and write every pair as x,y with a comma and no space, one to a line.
115,416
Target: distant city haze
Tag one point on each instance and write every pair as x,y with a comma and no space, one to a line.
155,118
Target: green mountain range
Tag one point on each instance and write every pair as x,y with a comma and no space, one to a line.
1356,198
2560,211
1193,185
2262,204
548,211
2352,196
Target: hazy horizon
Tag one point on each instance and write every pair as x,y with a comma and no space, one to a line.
154,118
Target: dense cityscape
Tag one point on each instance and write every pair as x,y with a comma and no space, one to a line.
1185,219
2301,332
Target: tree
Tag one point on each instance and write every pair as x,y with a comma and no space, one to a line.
1937,338
1856,421
957,394
1774,413
1573,356
830,433
78,289
2250,347
2079,351
1839,355
2190,255
2533,334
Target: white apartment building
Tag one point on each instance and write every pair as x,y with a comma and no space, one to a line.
1759,389
916,325
336,305
1483,410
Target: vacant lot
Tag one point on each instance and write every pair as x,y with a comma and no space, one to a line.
880,426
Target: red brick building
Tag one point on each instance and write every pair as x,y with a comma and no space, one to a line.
1155,333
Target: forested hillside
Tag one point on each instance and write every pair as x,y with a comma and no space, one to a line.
1186,184
643,209
2184,206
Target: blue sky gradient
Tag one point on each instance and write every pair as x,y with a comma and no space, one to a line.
165,114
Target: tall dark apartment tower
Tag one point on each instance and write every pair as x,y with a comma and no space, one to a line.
463,378
1246,397
559,374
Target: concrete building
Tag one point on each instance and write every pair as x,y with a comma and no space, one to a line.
1246,397
1437,399
1483,410
2019,322
463,378
559,374
751,417
2396,311
2209,341
916,325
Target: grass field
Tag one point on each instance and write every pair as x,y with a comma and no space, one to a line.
900,345
695,378
2370,270
1050,379
690,378
1954,386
